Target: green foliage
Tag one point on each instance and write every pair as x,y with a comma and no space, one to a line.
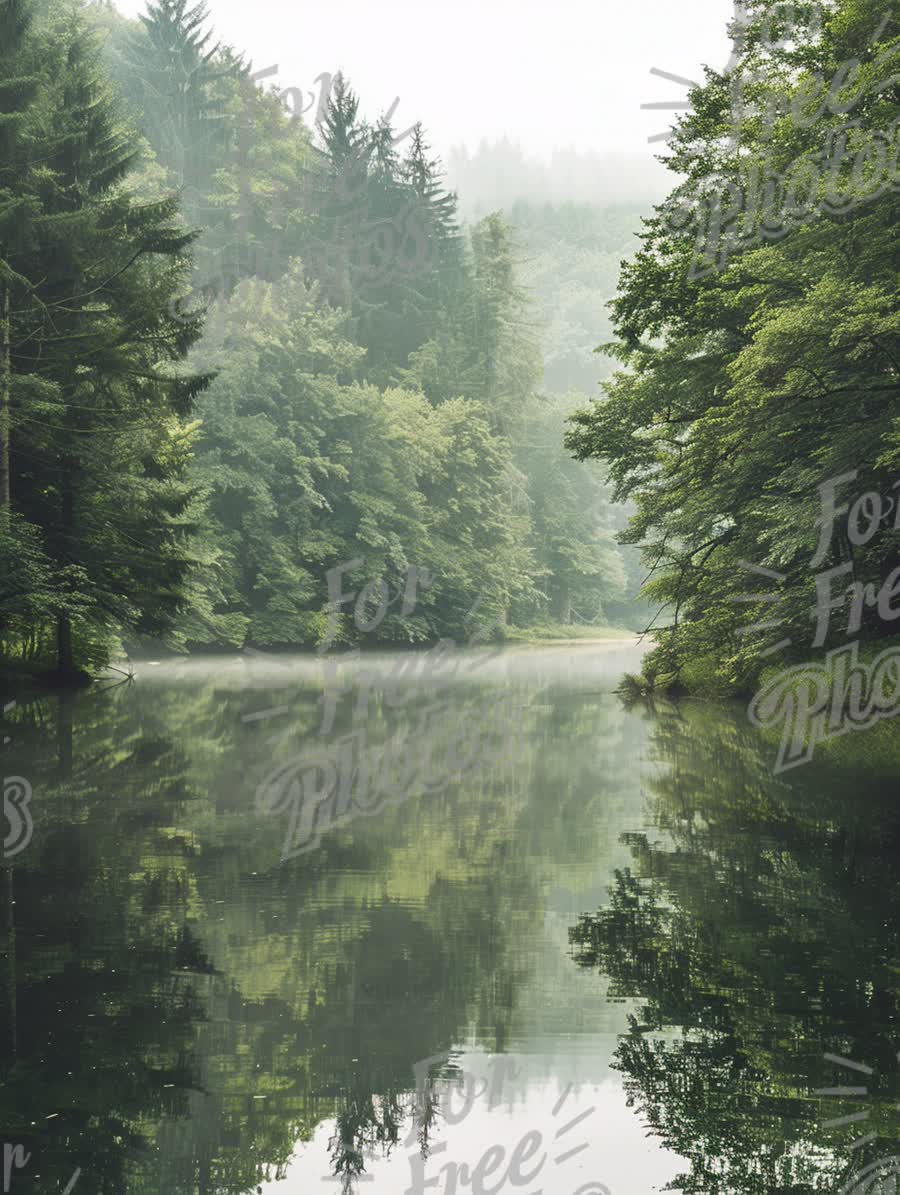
239,161
745,388
304,469
98,443
377,364
172,74
384,243
581,567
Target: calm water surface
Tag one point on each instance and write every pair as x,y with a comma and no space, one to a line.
424,923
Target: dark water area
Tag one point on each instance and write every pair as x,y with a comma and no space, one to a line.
455,924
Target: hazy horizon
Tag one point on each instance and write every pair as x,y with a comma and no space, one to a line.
591,62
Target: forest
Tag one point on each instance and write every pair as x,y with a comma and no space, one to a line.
238,352
646,445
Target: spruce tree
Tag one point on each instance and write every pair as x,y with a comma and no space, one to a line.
104,445
422,175
387,249
340,195
172,80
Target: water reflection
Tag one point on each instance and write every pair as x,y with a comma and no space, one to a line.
759,920
187,1011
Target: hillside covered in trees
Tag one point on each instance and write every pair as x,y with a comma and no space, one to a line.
239,352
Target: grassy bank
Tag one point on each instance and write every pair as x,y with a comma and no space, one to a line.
567,633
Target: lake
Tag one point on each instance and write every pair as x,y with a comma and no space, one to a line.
443,921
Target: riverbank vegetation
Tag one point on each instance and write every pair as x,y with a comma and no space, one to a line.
758,335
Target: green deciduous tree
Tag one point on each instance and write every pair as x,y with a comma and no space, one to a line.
306,468
753,373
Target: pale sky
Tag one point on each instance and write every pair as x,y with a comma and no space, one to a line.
569,73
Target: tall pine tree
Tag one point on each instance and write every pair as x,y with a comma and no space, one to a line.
94,356
17,90
171,80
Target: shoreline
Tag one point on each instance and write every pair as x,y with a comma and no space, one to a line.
21,683
636,638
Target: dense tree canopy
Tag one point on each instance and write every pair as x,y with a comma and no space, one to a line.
760,335
373,366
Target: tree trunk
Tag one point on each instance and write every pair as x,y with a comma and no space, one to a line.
565,607
5,390
65,659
